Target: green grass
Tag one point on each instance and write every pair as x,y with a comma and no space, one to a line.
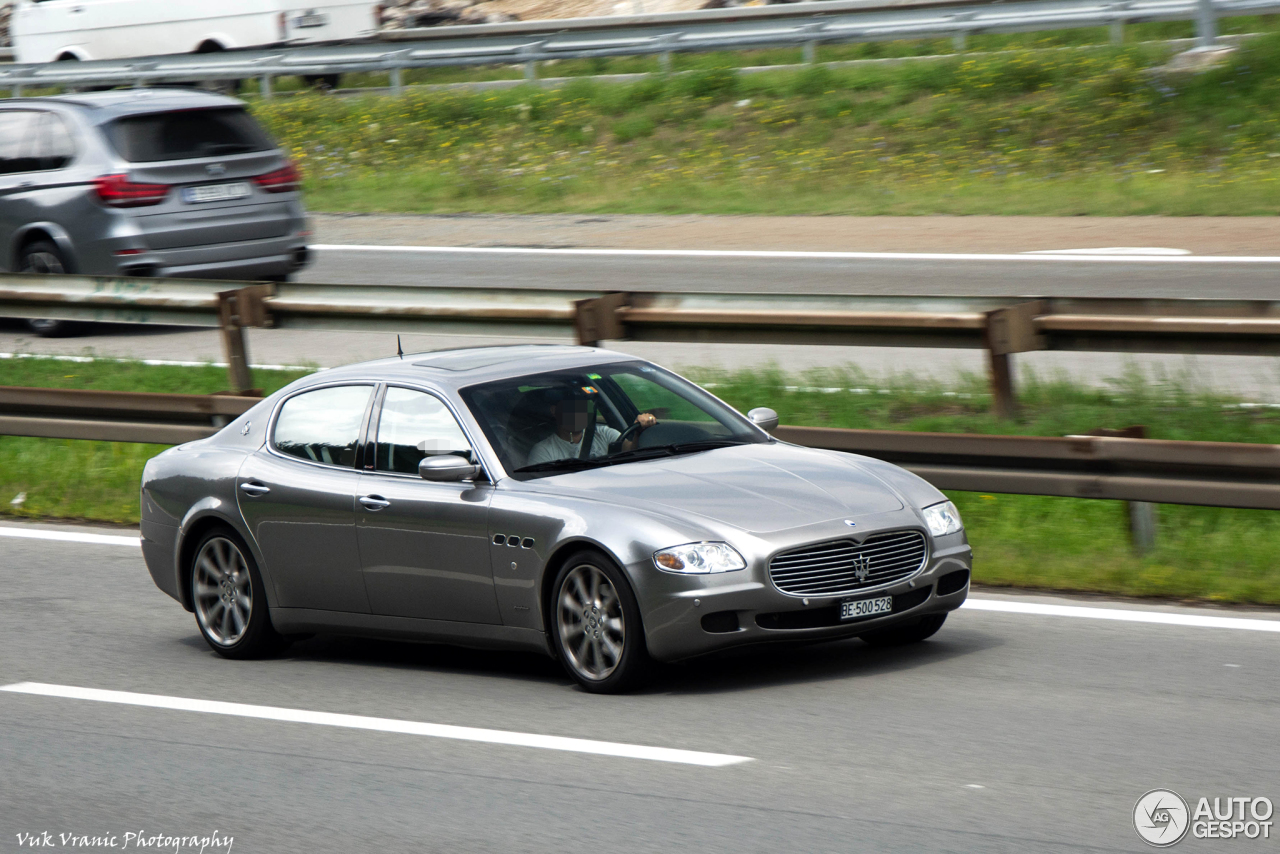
1022,541
98,481
1090,131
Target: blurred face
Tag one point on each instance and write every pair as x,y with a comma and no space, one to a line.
571,415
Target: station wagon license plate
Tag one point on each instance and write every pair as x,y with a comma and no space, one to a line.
216,193
866,607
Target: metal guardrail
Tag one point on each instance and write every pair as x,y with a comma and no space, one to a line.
1003,326
1217,474
804,25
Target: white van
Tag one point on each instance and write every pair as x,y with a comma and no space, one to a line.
50,30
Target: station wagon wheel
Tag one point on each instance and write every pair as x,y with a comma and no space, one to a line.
596,625
227,596
43,257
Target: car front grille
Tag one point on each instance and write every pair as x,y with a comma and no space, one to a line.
843,566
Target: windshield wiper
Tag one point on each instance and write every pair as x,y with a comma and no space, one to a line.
704,445
575,464
227,147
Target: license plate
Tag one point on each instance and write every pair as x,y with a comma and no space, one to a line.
866,607
311,19
215,193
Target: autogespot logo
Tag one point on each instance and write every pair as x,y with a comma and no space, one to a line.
1161,818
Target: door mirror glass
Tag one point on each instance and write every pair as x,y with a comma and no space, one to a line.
323,426
416,426
764,418
447,468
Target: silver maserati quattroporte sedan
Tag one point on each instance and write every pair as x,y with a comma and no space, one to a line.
571,500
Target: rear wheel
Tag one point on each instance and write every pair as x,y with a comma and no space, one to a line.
227,592
923,628
40,257
596,625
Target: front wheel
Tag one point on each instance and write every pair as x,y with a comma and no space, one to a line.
596,625
227,592
915,632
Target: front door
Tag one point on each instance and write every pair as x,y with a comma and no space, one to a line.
423,546
298,498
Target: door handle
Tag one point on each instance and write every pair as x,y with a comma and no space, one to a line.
254,489
373,502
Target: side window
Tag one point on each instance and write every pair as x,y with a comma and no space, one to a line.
323,425
414,425
16,129
52,144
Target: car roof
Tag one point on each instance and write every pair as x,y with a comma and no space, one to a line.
470,365
104,106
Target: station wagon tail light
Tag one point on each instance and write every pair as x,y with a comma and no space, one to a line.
117,191
699,559
283,180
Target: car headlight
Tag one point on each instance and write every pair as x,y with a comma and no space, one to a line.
699,558
943,519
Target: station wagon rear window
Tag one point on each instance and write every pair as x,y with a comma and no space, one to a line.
186,135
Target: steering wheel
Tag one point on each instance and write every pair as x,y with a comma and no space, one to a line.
632,430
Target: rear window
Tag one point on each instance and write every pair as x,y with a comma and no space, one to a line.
186,135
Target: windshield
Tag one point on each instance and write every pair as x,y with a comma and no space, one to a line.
606,415
186,134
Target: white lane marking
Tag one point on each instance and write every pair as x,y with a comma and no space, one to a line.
1113,250
461,733
781,254
70,537
1202,621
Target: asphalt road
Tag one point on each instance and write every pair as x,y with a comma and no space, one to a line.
902,275
1006,733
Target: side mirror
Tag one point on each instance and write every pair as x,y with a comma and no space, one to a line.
764,418
447,468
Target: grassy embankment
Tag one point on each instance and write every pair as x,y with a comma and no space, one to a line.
1088,131
1027,541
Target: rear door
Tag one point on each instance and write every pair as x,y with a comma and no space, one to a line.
424,546
297,495
36,150
215,161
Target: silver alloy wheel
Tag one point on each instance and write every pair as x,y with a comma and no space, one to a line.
590,622
222,591
42,262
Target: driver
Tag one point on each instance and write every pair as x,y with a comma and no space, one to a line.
572,412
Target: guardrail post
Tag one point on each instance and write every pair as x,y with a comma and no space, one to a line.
17,90
236,310
1206,24
959,42
1009,330
664,62
264,87
1117,32
531,70
810,53
397,80
596,320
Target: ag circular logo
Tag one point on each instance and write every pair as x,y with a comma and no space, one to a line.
1161,817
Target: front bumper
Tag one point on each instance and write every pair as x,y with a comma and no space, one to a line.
692,615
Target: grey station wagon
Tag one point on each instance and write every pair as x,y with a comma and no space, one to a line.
142,182
569,500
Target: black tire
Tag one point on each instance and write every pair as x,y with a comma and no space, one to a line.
596,623
44,257
224,628
923,628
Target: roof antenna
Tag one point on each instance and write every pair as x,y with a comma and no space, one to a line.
399,349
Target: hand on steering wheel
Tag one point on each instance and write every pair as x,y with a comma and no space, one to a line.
643,421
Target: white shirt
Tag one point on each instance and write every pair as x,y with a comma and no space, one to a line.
555,448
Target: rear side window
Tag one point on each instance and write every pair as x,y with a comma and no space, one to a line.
323,426
33,141
186,135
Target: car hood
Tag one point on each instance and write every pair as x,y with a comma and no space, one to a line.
758,488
